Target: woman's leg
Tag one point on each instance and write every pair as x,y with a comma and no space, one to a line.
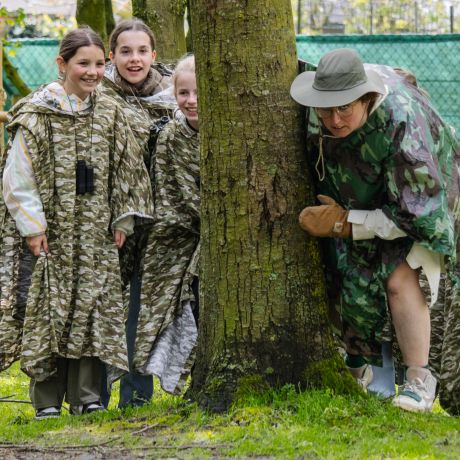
411,320
410,315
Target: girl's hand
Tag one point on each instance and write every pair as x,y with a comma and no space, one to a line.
36,243
119,237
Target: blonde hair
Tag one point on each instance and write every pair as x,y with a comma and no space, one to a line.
185,64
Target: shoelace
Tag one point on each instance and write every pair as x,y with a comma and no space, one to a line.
414,386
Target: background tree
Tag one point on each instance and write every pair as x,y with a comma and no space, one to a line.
109,18
98,14
263,313
166,19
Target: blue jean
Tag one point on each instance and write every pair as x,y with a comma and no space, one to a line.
135,389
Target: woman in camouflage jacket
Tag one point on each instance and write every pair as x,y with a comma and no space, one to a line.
73,178
139,85
388,175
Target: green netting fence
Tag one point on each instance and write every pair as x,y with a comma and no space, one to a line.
434,59
35,60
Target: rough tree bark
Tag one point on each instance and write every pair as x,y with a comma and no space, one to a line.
98,15
166,19
13,75
109,18
263,312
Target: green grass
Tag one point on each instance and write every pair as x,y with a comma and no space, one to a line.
277,424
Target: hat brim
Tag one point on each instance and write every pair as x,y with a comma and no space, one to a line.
302,91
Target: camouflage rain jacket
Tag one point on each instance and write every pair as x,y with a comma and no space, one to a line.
141,110
405,161
167,332
74,303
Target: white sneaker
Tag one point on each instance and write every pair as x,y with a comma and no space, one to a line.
47,412
418,394
363,375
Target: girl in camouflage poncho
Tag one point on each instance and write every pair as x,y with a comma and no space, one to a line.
388,171
72,182
167,332
138,85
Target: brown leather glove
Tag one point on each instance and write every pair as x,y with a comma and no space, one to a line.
327,220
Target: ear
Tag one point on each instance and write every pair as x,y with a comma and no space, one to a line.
111,56
61,64
154,56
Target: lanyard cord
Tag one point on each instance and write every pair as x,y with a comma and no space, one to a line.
75,129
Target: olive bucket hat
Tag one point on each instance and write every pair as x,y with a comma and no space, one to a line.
340,78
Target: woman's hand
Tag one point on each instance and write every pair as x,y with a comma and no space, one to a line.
119,237
36,243
327,220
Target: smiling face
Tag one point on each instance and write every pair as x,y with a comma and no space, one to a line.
342,121
83,71
186,96
133,56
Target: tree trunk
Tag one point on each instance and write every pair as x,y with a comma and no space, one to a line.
14,77
263,311
92,13
109,19
166,19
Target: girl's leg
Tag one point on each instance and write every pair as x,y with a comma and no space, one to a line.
84,383
135,389
50,392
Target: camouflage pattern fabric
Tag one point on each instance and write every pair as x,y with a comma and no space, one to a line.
403,160
445,344
449,371
171,260
74,304
141,113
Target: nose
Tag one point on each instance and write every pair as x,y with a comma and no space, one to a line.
92,69
192,98
135,56
335,117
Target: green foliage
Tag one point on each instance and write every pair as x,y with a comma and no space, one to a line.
11,20
284,423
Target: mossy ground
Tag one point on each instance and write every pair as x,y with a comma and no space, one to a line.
284,424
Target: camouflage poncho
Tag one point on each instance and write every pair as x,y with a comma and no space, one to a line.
140,110
405,161
167,332
74,303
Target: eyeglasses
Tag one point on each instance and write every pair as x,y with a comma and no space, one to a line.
343,111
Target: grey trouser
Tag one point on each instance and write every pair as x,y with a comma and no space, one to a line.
76,380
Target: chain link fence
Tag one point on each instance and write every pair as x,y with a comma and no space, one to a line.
434,59
35,61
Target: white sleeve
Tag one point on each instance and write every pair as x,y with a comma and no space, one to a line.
369,224
20,189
